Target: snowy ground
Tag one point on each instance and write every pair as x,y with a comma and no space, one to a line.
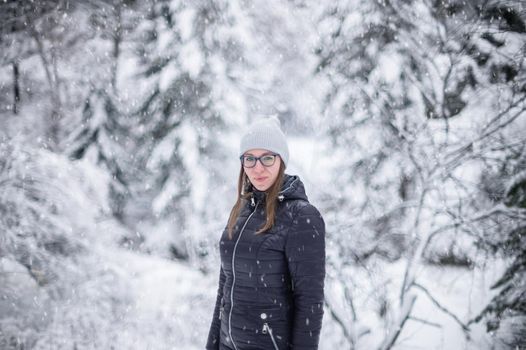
169,303
172,306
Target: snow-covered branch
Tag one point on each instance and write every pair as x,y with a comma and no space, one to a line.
441,307
396,327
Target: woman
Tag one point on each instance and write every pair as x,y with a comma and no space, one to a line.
271,280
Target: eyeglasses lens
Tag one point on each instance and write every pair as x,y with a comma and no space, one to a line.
267,160
250,161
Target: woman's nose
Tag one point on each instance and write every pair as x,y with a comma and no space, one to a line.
259,166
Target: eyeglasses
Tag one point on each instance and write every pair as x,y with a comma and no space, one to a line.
249,161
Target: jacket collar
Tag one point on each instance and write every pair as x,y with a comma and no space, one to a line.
292,188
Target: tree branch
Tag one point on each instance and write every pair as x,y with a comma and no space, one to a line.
444,309
396,329
340,322
428,323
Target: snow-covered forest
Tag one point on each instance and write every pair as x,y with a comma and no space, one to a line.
119,130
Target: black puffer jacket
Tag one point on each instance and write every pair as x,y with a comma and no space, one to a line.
270,293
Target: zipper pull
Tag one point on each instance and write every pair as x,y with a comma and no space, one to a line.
252,202
265,325
265,328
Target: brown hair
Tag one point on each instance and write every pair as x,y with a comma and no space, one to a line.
243,184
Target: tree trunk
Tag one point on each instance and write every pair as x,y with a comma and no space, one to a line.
117,38
16,87
53,83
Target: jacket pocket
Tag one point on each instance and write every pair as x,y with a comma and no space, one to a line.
267,330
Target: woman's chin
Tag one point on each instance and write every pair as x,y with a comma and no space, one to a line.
261,187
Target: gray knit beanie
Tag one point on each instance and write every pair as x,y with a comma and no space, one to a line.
265,133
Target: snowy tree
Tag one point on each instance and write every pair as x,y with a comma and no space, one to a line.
185,53
38,29
97,139
420,91
50,246
505,315
59,36
102,131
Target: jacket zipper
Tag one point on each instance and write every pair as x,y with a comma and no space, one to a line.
234,276
292,183
266,328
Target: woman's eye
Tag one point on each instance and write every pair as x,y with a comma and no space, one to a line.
267,158
249,159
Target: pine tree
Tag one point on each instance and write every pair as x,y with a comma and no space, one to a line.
185,53
100,138
505,314
102,131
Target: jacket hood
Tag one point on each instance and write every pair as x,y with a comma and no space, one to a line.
292,188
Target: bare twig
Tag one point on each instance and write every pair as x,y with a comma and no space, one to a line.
426,322
392,336
441,307
424,243
340,322
460,152
406,283
349,298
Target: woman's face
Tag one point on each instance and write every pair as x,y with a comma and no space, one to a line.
260,176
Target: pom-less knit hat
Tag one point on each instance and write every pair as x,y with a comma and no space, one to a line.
265,133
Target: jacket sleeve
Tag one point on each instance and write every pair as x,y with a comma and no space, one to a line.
213,335
305,250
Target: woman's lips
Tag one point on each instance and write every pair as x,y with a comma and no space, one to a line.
260,179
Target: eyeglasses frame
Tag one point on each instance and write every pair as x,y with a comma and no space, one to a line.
258,158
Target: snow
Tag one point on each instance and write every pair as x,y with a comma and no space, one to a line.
77,273
192,61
